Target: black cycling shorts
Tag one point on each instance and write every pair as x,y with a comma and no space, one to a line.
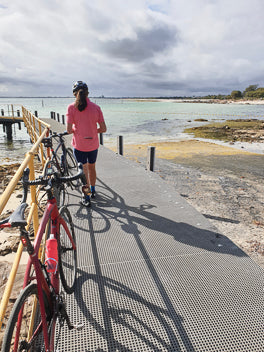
85,157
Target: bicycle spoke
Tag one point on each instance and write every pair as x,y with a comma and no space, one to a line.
24,329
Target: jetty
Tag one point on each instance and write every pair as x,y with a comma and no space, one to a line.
8,119
153,273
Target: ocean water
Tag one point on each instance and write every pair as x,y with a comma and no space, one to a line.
137,121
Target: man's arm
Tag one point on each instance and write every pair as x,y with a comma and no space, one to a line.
102,127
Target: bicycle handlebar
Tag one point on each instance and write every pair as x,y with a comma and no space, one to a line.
48,140
17,217
54,178
55,134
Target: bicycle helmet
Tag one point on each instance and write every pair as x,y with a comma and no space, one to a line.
79,85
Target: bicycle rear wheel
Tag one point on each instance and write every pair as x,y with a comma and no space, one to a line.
18,327
59,189
67,254
71,166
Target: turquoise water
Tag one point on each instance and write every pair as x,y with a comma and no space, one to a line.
136,121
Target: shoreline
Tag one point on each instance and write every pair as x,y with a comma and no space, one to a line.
199,100
200,145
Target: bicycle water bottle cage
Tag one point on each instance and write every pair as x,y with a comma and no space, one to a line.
47,142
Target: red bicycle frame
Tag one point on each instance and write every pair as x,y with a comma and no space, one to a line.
51,213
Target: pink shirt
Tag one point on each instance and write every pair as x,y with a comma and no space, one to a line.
85,136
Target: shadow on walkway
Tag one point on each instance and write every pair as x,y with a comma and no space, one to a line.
109,207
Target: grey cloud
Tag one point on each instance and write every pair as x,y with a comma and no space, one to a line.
165,85
147,43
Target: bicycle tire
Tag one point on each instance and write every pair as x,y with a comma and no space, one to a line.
67,254
71,166
24,305
58,190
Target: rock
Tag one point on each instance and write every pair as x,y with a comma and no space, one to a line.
9,245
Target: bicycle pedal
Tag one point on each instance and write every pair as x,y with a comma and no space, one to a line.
79,326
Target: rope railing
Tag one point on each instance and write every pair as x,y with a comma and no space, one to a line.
37,130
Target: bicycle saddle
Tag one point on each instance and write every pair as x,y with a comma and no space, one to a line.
17,218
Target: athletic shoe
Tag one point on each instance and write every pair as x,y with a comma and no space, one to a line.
85,201
93,195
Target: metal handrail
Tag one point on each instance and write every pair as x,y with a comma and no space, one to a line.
37,130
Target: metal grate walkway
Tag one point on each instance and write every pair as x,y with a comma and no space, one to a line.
154,275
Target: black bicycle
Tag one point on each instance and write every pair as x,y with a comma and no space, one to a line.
62,163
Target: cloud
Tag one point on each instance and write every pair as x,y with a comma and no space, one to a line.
139,47
146,44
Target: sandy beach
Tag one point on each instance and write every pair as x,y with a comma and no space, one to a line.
223,183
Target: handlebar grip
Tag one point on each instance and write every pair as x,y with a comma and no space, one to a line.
64,133
37,182
55,134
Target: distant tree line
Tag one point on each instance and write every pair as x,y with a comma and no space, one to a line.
251,92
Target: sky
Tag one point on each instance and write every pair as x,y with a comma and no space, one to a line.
130,48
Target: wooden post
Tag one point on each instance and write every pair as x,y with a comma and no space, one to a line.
58,117
101,137
63,119
2,112
36,113
18,113
151,158
9,131
120,149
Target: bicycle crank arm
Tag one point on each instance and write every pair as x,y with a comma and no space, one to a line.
64,315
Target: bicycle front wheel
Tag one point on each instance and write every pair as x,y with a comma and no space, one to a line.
71,166
50,169
67,254
24,329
